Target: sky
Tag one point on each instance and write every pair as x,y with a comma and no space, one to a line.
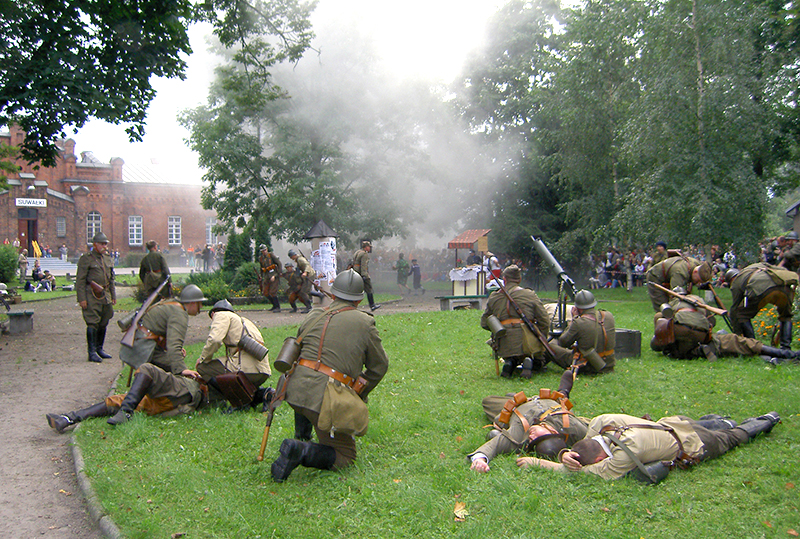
427,39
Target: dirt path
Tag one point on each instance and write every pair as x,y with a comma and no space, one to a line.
46,371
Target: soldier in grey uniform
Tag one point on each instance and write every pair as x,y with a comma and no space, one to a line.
153,270
340,345
594,333
755,287
307,274
361,266
97,295
684,331
511,347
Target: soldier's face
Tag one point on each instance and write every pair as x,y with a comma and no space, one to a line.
101,248
193,308
541,429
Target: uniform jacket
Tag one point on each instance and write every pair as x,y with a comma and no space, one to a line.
351,346
170,320
516,436
153,264
587,332
361,263
531,305
226,330
753,282
647,444
674,270
294,280
270,259
93,266
792,257
305,267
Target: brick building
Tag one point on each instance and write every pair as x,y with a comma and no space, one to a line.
69,203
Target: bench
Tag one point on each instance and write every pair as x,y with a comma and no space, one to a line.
450,303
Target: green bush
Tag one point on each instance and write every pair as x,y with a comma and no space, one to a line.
132,260
246,276
216,289
9,259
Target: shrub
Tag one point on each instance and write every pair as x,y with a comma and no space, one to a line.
216,289
246,276
9,259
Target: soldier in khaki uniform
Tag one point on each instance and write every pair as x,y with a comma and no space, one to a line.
790,257
361,266
670,439
270,276
683,331
511,347
307,274
339,345
594,333
97,295
153,270
682,271
227,329
755,287
294,283
545,426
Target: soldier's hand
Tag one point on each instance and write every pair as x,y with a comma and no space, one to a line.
570,460
183,352
84,304
480,466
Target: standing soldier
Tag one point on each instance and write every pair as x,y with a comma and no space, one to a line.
402,267
337,343
270,276
513,346
294,282
307,274
97,295
153,270
681,271
755,287
361,266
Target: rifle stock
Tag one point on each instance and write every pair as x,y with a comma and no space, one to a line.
127,339
276,401
525,319
700,304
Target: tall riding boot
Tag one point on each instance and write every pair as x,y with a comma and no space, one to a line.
139,386
294,453
303,428
91,343
756,425
746,327
372,304
276,306
61,422
308,307
294,306
779,353
716,422
786,334
101,338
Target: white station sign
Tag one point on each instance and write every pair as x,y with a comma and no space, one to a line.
32,202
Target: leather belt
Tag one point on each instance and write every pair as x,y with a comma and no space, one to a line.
333,373
511,321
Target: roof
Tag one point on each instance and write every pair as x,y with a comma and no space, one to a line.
156,173
792,209
467,239
320,230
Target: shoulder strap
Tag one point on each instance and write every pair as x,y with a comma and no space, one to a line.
619,443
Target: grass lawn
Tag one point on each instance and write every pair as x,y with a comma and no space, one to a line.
198,474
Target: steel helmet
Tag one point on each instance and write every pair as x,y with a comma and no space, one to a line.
348,285
792,236
292,253
221,305
547,445
100,238
585,300
731,274
191,293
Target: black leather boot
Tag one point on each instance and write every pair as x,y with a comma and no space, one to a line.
139,386
508,368
303,428
276,306
527,368
746,327
294,306
779,353
263,396
91,344
293,453
308,307
101,338
756,425
716,422
786,334
61,422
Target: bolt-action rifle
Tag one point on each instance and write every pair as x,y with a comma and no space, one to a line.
690,301
526,320
130,332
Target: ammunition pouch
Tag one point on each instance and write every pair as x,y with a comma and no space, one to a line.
510,406
664,332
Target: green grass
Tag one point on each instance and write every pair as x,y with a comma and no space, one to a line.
198,474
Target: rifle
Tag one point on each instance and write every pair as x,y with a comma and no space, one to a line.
127,339
280,395
721,306
525,319
690,301
566,286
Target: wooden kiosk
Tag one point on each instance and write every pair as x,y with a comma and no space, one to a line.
468,282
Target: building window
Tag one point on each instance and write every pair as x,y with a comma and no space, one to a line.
94,224
61,227
211,238
174,230
134,230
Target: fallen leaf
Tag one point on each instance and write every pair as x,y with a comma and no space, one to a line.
396,480
459,439
793,533
789,486
205,509
460,512
606,510
767,524
65,492
461,392
648,512
441,455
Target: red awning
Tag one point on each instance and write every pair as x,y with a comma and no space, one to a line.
466,240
